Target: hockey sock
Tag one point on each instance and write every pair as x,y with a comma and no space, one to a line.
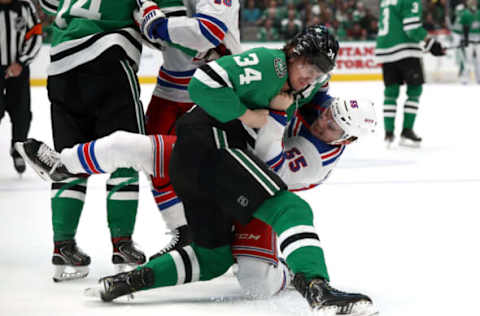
411,105
107,154
67,203
391,94
292,219
122,202
190,264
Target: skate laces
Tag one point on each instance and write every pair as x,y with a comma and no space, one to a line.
173,242
48,157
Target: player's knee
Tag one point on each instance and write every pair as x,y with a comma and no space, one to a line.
295,207
213,262
121,143
392,91
414,91
259,279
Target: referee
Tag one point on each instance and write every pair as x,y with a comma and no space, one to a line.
20,41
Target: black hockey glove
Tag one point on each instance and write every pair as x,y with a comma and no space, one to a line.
434,47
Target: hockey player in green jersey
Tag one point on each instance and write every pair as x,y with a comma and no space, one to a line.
463,28
399,50
94,91
220,181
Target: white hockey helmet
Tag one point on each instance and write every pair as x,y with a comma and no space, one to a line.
355,116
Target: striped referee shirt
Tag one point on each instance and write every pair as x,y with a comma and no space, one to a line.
20,33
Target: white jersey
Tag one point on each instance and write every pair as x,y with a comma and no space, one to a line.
299,158
206,25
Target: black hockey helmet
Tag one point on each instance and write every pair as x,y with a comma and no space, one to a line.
317,45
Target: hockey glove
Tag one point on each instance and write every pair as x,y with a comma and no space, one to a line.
151,21
434,47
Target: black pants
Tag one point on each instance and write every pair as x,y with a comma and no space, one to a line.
15,100
94,100
217,178
407,70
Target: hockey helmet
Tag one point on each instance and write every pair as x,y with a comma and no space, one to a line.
317,45
355,116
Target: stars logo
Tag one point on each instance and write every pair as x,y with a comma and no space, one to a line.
280,67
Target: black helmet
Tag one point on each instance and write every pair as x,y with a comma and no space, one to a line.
317,45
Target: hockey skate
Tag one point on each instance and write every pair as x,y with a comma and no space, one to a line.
120,284
70,263
389,138
410,139
18,162
182,236
325,300
126,256
44,160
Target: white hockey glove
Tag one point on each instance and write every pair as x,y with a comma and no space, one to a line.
149,17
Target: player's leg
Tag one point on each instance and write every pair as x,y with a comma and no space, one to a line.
391,92
161,117
209,256
68,195
18,107
121,97
476,61
414,77
260,272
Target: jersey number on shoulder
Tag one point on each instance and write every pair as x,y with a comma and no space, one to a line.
77,9
250,73
298,161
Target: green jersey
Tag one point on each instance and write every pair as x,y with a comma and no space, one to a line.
400,30
463,18
84,29
475,30
226,88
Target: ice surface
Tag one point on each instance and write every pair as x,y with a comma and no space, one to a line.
400,225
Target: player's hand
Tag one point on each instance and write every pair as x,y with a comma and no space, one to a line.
281,102
254,118
434,47
14,70
149,17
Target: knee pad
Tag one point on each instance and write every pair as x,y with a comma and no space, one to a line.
259,279
392,91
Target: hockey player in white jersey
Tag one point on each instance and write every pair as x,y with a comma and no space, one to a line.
189,35
313,143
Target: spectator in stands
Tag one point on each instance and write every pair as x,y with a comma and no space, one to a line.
291,25
251,14
275,13
372,30
268,32
356,33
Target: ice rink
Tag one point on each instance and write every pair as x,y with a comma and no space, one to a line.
401,225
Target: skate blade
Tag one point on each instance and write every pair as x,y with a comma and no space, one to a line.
96,292
42,174
409,143
361,308
124,267
67,273
364,309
